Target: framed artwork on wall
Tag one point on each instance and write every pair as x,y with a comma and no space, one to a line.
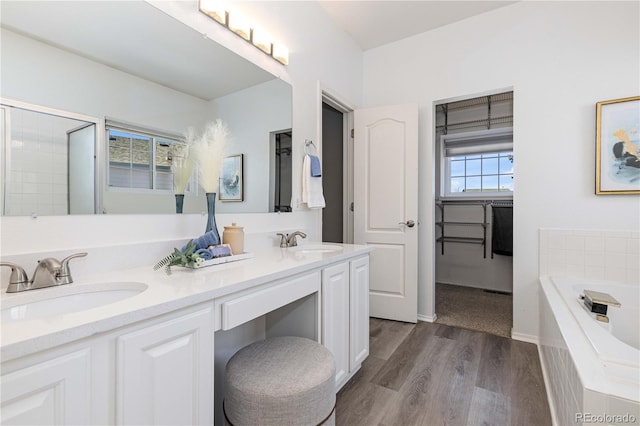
618,146
232,179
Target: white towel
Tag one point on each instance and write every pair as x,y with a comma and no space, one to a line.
311,186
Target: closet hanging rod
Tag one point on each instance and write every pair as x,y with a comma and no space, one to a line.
500,203
464,202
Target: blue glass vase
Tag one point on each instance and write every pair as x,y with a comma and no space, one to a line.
179,202
211,216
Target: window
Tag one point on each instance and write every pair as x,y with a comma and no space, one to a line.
477,163
142,160
475,145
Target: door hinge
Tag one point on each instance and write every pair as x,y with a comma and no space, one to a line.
351,206
352,133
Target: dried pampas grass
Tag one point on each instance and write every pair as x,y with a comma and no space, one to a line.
208,152
182,165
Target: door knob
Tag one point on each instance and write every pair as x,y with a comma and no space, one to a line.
408,223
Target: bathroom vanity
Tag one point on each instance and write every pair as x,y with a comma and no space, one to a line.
152,356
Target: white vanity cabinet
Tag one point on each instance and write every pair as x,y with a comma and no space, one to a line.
158,371
345,315
358,312
165,372
335,314
150,359
53,390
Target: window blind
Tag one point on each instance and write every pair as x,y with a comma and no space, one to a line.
122,126
478,143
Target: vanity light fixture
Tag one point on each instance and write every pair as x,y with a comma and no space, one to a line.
261,40
214,9
238,24
281,53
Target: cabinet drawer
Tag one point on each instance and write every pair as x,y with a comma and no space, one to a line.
245,308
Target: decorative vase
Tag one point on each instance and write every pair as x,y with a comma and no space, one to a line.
211,216
179,202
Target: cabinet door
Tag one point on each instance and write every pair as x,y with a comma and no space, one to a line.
165,372
335,317
359,312
52,392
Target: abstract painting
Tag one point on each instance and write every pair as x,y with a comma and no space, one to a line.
232,179
618,146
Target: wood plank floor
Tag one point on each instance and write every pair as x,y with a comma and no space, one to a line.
434,374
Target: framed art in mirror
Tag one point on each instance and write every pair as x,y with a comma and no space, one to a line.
232,179
618,146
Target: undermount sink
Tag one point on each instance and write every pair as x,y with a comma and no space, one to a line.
66,299
316,248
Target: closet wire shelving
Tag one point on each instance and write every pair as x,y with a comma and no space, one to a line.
457,239
484,224
445,125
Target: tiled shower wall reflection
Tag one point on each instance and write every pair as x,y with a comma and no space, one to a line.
36,163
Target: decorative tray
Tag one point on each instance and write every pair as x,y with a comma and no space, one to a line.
225,259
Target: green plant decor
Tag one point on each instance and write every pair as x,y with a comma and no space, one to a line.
187,258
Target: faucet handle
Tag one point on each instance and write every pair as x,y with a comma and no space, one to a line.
18,277
64,266
291,238
283,240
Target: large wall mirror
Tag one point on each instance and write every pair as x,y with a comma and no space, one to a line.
68,67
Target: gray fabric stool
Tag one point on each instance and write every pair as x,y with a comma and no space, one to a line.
281,381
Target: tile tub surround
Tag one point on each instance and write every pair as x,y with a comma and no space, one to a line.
165,293
582,254
579,384
593,254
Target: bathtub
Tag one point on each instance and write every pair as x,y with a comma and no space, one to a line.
591,368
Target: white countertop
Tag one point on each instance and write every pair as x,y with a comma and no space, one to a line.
165,293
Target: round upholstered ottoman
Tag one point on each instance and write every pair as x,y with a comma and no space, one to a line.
280,381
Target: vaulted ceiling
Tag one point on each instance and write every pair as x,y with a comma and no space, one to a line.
375,23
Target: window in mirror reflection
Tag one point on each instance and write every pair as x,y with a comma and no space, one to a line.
140,161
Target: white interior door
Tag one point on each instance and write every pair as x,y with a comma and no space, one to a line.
386,206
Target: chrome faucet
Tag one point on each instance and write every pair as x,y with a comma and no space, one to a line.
289,240
48,273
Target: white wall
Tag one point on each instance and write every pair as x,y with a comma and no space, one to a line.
560,58
332,58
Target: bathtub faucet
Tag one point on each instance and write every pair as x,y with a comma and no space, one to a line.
598,303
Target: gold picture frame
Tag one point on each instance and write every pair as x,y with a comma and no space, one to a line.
618,146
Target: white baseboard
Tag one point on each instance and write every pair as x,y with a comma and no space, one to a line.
529,338
426,318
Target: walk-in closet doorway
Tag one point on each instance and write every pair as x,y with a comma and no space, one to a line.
474,212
